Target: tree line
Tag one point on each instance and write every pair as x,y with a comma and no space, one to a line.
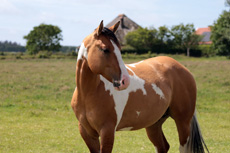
11,47
164,40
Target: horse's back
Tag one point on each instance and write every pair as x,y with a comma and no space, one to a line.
163,69
166,68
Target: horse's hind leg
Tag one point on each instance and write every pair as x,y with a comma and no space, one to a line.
157,137
191,140
92,142
182,115
183,128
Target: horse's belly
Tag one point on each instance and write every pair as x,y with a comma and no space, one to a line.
142,111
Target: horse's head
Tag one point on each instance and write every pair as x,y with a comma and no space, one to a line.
101,49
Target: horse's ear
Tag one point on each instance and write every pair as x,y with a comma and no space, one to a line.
99,28
115,27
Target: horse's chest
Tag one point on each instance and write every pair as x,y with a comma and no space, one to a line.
95,109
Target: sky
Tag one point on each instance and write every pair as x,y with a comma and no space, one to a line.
78,18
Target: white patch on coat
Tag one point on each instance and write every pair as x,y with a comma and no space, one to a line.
82,52
126,129
138,83
185,148
134,64
138,113
156,149
121,97
158,91
120,61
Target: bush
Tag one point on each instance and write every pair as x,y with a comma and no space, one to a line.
207,50
127,49
130,50
18,55
73,53
44,54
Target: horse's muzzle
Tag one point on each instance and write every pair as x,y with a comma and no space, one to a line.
121,84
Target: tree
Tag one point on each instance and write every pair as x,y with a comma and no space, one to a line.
163,33
184,37
221,34
164,37
142,38
43,38
227,3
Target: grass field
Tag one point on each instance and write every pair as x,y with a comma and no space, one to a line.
35,112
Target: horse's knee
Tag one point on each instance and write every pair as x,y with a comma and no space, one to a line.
91,141
107,134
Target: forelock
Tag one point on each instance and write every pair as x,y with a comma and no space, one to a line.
108,33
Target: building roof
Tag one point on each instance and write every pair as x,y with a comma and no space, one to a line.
200,31
126,26
206,32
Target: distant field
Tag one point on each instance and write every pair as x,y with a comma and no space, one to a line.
35,112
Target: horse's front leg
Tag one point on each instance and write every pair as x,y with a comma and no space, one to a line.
107,138
92,142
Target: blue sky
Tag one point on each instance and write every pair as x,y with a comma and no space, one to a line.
78,18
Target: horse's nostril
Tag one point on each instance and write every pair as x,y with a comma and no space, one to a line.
116,84
123,82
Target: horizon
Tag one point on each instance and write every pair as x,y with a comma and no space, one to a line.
77,19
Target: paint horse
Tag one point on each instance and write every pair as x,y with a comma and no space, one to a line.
111,96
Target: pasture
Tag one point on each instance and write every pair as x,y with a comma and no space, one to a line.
36,116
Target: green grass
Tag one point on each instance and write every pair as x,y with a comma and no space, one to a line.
35,112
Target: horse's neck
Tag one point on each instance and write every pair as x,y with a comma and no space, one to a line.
86,80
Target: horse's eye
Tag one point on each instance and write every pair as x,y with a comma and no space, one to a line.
105,50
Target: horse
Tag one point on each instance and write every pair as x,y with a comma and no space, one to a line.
111,96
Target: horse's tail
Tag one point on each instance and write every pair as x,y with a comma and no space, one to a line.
196,142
